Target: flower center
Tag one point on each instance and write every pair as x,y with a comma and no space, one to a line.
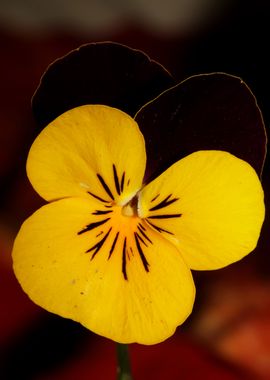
131,208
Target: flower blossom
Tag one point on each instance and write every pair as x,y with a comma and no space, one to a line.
114,253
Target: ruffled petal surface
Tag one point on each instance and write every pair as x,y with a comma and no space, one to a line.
85,260
210,205
89,149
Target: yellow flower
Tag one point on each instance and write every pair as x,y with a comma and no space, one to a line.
115,254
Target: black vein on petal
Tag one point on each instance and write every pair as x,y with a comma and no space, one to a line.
165,216
105,186
116,180
152,200
127,255
159,229
98,246
91,226
140,238
101,212
166,202
142,229
141,253
98,198
124,260
113,245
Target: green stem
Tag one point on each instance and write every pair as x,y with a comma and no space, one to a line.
123,363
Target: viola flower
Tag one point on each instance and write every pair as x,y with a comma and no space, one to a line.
115,253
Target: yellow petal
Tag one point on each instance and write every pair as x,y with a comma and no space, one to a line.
110,272
210,204
90,149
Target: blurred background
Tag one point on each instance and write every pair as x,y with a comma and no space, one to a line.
228,334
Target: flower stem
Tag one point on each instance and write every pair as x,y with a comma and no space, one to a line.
123,367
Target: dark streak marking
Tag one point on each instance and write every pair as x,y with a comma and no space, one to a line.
166,202
152,200
165,216
143,258
101,212
98,246
116,180
140,238
128,182
159,229
122,182
142,227
91,226
144,234
99,234
124,260
113,245
108,206
105,186
97,197
131,250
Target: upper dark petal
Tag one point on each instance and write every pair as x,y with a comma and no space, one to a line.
209,111
99,73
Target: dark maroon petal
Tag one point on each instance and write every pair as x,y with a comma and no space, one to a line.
208,111
99,73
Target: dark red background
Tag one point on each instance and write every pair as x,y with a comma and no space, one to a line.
228,335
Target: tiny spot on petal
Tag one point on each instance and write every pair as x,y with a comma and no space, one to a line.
84,185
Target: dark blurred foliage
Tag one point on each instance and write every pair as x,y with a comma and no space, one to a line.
228,335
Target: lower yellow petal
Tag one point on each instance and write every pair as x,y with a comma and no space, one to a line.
110,272
210,204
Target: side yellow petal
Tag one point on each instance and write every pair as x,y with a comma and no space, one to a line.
111,273
90,149
210,204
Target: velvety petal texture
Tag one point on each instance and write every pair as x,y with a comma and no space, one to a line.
210,204
110,272
214,111
85,151
106,73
